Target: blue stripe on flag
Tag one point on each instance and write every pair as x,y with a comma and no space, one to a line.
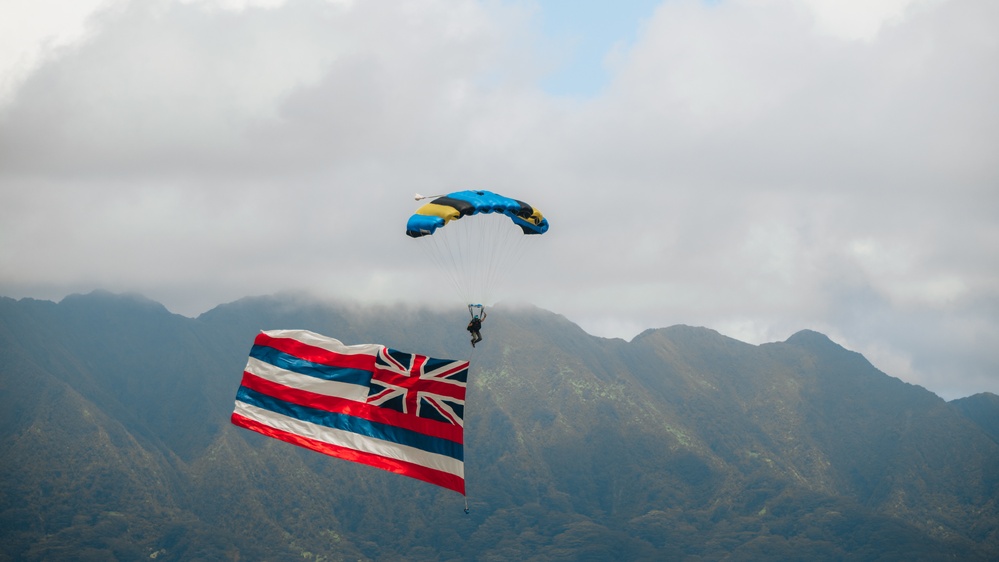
352,424
308,368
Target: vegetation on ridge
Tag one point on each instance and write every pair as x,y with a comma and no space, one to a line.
682,444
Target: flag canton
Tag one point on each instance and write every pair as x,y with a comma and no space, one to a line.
420,386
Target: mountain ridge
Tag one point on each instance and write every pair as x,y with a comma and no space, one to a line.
680,443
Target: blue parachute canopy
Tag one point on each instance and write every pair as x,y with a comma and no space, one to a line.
454,206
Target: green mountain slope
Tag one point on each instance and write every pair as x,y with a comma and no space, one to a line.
682,444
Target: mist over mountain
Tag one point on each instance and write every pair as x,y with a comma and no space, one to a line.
115,444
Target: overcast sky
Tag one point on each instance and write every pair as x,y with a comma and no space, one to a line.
753,166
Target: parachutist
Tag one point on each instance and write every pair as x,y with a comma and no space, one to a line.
475,325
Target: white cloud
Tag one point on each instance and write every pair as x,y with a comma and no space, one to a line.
754,166
860,19
32,28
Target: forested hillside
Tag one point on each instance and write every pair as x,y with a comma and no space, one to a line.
681,444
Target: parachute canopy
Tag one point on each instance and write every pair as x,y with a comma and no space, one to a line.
453,206
475,238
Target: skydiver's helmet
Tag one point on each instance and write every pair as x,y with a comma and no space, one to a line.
476,317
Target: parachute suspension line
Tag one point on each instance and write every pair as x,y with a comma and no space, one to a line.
466,256
446,258
475,309
466,505
498,241
498,264
482,237
476,252
505,245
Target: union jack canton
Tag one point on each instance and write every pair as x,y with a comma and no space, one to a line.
428,388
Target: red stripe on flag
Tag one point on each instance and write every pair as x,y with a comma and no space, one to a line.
419,472
315,354
362,410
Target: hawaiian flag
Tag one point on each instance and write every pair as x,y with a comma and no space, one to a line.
397,411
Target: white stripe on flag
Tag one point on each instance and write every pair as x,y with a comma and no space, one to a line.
351,440
355,392
324,342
